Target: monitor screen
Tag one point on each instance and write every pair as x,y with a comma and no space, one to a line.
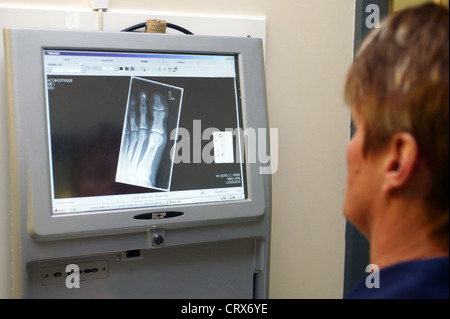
142,129
115,132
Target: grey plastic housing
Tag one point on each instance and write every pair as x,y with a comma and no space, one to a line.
31,202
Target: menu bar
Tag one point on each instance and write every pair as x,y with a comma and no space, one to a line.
134,64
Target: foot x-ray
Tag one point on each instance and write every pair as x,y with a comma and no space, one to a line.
153,111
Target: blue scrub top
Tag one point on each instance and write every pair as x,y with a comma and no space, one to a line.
421,279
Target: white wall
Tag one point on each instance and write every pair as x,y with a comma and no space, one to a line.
308,50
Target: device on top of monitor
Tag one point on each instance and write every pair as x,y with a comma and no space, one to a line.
119,132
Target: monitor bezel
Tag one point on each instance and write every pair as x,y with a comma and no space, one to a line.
30,161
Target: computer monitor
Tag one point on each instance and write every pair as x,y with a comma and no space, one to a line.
123,132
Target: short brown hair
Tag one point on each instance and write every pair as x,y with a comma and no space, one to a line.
399,82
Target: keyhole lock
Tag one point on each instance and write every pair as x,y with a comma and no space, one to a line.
158,240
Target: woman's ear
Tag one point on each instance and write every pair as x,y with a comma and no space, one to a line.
401,159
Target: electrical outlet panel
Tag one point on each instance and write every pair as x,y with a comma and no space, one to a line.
57,275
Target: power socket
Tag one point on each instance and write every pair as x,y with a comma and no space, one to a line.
99,4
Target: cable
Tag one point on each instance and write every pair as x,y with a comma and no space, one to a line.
100,19
178,28
169,25
100,6
135,27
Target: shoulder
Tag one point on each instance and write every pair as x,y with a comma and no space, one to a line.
421,279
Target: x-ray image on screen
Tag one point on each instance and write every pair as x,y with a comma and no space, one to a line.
153,112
